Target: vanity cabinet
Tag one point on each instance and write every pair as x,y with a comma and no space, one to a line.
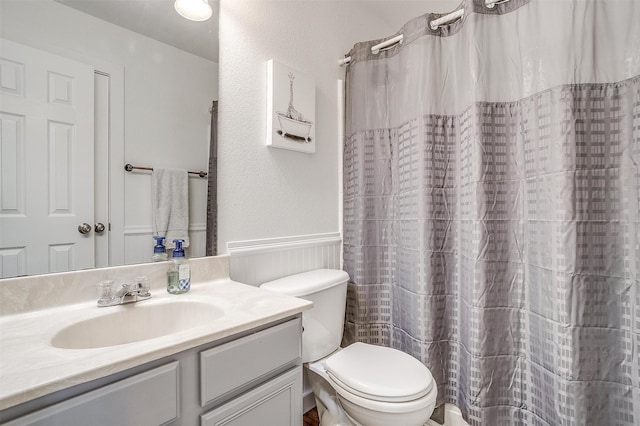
252,378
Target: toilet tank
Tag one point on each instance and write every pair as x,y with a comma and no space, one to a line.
323,324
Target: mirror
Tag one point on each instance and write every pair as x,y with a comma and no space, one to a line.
152,78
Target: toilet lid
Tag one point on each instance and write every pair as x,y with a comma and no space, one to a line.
379,373
306,283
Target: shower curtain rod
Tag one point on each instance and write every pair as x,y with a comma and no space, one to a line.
444,20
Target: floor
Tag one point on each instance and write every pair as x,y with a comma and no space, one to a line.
310,418
453,418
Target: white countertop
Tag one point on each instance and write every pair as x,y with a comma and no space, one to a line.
30,367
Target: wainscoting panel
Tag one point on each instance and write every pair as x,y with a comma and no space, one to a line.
139,242
257,261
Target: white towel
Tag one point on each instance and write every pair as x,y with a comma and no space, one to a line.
170,198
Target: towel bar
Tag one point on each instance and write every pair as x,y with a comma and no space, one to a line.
128,167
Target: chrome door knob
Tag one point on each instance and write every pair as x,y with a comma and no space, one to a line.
85,228
99,228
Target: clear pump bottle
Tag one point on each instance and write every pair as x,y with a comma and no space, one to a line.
179,274
159,250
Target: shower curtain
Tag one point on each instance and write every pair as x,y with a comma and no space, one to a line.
491,208
211,248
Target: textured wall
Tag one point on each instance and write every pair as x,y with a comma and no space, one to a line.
266,192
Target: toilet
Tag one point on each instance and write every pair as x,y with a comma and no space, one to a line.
362,384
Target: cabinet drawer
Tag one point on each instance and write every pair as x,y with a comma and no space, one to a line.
276,402
248,360
149,398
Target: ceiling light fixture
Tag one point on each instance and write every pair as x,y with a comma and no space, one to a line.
194,10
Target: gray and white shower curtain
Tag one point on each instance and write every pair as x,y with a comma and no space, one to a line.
492,208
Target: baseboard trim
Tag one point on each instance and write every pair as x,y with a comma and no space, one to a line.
308,400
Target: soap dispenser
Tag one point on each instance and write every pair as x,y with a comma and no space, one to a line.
179,275
159,250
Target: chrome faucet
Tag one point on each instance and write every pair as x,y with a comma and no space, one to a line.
127,293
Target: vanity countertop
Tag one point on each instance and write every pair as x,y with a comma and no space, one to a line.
30,367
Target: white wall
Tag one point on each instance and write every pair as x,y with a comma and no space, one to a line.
266,192
167,96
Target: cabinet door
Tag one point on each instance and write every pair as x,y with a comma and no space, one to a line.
275,403
149,398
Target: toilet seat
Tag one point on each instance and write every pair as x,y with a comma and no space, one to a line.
384,406
381,398
376,373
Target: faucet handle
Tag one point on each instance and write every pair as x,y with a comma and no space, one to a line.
111,294
106,292
143,285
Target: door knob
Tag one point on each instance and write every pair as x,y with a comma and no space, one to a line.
85,228
99,228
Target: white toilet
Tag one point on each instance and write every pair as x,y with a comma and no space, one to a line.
375,386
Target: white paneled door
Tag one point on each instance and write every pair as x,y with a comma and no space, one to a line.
46,162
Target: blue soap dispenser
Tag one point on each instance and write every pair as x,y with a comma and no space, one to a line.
159,250
179,274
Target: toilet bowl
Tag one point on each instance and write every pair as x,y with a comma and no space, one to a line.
365,384
378,386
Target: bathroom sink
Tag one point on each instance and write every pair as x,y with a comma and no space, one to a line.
136,322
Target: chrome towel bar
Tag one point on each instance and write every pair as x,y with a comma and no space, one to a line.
128,167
